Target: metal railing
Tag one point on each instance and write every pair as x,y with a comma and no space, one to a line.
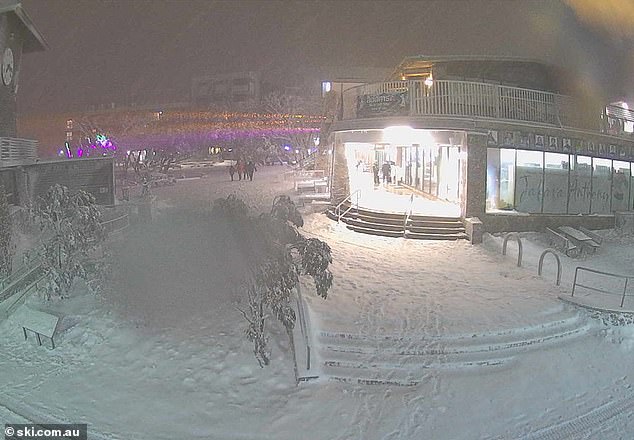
337,209
470,99
408,214
541,263
598,289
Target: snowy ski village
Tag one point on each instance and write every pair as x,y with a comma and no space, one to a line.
317,220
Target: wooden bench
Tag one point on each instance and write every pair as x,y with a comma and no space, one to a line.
562,243
38,323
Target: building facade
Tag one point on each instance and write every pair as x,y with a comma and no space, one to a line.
504,140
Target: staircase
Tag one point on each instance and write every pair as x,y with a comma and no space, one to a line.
399,225
409,359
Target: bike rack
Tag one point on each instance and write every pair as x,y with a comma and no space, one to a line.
541,262
516,236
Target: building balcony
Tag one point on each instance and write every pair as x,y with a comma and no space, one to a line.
482,101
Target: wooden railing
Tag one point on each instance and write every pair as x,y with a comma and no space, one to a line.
468,99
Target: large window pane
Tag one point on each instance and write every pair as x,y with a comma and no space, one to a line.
601,185
620,185
500,179
556,183
528,187
580,185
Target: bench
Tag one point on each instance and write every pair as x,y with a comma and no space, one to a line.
595,237
562,243
38,323
316,185
316,197
580,237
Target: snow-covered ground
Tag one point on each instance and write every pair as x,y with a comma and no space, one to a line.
161,353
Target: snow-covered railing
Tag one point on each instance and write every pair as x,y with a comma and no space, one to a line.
467,99
116,224
599,287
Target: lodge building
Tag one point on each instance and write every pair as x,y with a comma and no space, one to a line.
505,142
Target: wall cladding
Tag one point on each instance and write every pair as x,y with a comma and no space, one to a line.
95,176
10,36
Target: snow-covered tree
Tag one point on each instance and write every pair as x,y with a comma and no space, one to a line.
7,248
281,255
71,233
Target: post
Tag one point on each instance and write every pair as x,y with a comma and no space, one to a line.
574,282
624,289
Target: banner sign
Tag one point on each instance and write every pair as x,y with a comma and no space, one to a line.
393,103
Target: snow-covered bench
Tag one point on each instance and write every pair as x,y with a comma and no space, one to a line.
314,185
39,323
562,243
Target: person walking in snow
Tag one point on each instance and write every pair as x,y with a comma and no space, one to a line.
251,169
232,170
241,170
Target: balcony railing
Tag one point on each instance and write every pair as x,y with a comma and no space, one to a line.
16,151
474,100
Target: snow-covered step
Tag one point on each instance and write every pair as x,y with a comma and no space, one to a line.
487,341
403,359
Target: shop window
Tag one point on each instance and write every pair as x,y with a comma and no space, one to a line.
601,186
620,186
500,179
556,169
580,185
529,181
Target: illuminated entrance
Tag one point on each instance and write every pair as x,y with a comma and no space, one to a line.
407,168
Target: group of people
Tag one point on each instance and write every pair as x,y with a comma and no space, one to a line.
244,169
386,170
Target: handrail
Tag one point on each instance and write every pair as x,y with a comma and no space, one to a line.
338,212
595,289
408,213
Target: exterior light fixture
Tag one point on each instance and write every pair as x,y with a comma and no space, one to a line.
429,81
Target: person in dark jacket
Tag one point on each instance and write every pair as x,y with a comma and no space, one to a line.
232,171
387,172
251,169
375,171
241,170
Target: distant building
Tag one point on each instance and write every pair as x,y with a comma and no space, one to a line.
240,89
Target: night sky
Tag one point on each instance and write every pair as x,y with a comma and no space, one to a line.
109,51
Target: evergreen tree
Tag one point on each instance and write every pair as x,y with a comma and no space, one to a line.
283,256
71,232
